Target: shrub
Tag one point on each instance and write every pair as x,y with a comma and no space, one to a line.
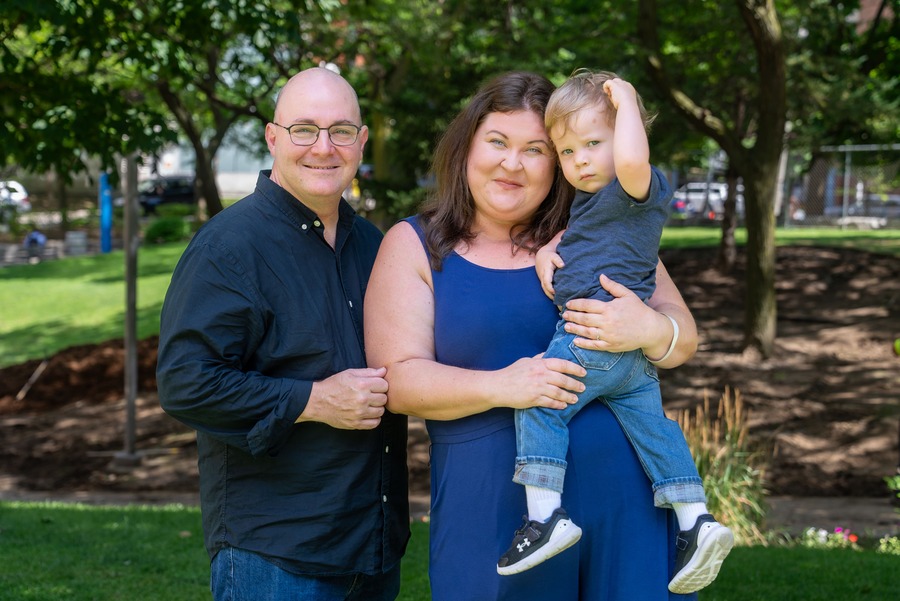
167,229
732,472
175,210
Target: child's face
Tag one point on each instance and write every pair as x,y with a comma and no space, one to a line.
585,149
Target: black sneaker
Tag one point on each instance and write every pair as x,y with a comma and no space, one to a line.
536,542
701,551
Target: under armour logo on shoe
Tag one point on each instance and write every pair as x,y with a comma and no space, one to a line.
525,543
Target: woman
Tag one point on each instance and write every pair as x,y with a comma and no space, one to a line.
455,311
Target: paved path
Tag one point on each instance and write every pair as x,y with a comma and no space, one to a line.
862,515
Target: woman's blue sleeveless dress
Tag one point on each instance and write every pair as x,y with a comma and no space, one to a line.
486,319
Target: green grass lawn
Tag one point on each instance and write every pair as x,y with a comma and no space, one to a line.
56,551
79,300
880,241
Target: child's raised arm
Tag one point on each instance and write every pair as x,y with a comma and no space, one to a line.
631,150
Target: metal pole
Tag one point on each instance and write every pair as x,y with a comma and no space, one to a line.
128,455
846,198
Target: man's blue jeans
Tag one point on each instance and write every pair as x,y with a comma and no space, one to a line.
629,385
238,575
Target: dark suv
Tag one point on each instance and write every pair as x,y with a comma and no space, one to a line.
165,189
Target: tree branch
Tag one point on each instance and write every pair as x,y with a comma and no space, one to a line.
700,117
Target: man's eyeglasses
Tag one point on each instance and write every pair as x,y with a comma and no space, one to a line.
306,134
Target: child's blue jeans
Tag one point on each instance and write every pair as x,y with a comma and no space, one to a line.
629,385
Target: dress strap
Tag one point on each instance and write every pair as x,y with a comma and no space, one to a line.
417,225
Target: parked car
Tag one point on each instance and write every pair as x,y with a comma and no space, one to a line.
164,190
874,205
692,200
160,190
13,194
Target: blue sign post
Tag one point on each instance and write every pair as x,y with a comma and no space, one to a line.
106,214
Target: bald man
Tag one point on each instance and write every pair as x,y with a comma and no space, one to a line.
303,482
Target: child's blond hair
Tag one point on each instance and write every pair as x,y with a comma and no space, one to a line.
584,89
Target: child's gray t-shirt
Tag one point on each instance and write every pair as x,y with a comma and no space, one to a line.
610,233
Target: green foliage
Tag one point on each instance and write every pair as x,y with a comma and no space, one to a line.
102,77
60,102
889,545
167,229
844,75
893,484
401,204
175,209
732,471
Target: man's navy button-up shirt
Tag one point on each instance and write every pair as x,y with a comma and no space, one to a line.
260,307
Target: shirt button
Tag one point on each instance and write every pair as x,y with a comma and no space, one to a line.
384,498
317,223
350,303
387,449
303,227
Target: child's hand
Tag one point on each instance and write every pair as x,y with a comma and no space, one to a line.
620,91
546,262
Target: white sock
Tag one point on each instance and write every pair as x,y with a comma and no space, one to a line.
541,502
687,514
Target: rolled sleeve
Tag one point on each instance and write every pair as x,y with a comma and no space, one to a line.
271,433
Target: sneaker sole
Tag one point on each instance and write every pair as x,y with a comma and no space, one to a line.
704,565
566,533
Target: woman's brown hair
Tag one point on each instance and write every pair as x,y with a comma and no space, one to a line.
448,213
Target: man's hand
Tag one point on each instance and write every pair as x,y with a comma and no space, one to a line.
353,399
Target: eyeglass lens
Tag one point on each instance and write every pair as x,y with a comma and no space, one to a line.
340,135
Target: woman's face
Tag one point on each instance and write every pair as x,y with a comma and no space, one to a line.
511,166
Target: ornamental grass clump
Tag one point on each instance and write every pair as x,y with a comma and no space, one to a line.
732,471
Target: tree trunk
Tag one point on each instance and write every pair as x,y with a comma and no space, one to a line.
206,183
756,159
204,171
62,199
760,317
727,247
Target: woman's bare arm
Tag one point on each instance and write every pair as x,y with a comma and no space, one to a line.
399,328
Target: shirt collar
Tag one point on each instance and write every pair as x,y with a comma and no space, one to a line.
306,218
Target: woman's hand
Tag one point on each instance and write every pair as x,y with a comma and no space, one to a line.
538,382
623,324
